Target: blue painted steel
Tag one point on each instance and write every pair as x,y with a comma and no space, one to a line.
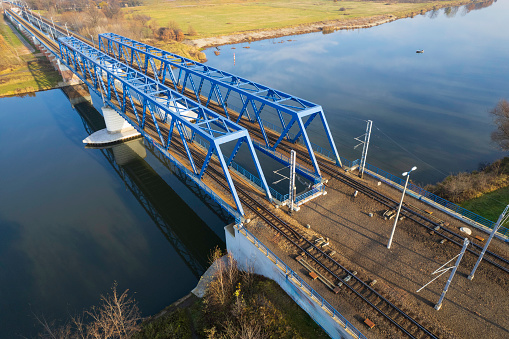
255,97
309,193
155,107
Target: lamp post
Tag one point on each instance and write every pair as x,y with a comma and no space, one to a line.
407,175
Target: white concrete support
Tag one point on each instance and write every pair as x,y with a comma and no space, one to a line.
114,122
253,256
117,129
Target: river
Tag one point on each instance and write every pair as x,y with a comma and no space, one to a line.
429,110
74,220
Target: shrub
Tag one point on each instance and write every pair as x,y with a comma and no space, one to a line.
465,186
179,35
191,31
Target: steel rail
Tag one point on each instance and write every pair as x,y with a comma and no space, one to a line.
407,211
377,307
257,207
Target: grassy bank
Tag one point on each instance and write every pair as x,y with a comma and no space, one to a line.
484,192
220,17
22,71
490,205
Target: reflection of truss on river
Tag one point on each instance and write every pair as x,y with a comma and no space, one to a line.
193,259
190,184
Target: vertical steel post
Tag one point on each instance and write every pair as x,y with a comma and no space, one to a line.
501,219
365,147
291,195
465,244
54,28
407,174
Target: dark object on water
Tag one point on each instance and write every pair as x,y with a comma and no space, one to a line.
420,51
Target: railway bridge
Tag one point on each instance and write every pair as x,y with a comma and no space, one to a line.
199,117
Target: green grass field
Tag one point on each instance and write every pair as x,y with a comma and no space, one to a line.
220,17
490,205
20,70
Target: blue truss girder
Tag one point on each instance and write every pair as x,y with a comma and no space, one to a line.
252,94
162,108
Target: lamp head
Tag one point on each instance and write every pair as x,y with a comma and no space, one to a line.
407,173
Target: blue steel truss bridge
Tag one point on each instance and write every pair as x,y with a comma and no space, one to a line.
255,106
187,110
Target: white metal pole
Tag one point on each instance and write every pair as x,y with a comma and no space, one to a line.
54,28
292,179
500,221
465,244
66,29
367,136
407,174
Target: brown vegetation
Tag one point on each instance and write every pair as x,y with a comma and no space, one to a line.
117,316
236,307
465,186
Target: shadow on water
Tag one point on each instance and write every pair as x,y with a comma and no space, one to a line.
190,236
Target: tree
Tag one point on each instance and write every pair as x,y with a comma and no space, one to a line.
501,117
179,35
112,9
117,317
191,31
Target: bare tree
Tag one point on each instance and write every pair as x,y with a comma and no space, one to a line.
117,317
501,117
112,9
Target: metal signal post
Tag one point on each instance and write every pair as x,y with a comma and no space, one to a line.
365,146
442,271
501,220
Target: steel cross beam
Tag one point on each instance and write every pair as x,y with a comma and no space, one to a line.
204,81
155,110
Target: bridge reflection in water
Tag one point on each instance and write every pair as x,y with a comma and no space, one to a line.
189,235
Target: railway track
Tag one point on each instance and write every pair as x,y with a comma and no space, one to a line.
408,211
333,271
50,42
320,260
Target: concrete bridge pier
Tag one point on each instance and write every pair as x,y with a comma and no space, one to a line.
117,130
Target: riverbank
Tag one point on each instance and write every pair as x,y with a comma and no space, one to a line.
262,303
484,192
339,16
23,69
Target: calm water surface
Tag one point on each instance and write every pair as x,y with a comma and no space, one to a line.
429,110
74,220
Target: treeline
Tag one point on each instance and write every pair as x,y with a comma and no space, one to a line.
94,17
78,6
